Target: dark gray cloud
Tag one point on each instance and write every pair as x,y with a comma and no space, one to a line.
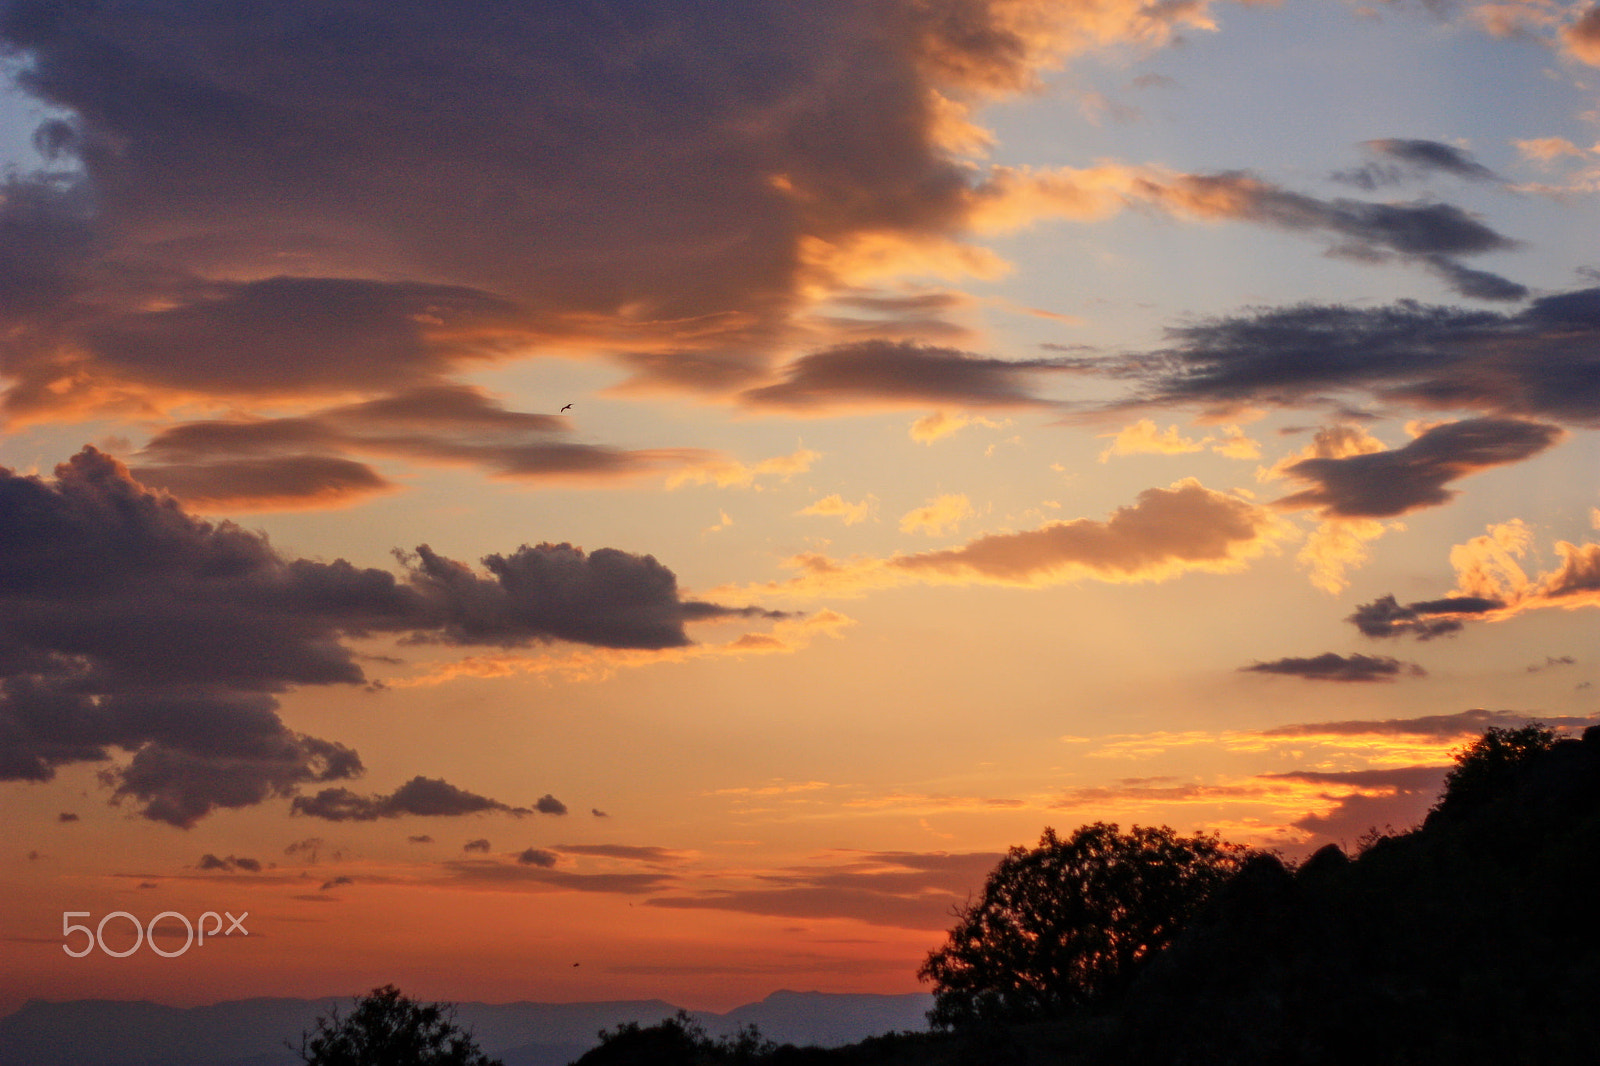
336,882
1331,666
1539,362
481,844
426,797
607,598
1438,726
1424,619
126,623
1431,234
1389,483
901,889
1552,660
421,838
292,333
66,816
209,861
886,372
548,804
304,460
1400,159
433,185
537,857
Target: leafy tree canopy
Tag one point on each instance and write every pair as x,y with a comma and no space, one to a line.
1064,924
387,1029
1484,767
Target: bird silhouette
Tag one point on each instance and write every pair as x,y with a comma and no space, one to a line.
567,408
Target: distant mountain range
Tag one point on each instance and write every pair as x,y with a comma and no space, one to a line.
252,1032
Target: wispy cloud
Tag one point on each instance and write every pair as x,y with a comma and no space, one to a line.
1331,666
1536,362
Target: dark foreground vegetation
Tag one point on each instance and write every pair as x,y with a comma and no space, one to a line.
1474,938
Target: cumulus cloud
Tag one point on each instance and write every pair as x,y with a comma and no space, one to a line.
1386,484
480,844
126,623
247,186
426,797
1539,362
1330,666
1168,532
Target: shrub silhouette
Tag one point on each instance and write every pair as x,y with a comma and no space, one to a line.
1062,925
676,1041
386,1028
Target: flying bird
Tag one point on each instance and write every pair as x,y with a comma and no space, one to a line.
567,408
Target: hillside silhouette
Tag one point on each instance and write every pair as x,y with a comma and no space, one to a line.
1473,938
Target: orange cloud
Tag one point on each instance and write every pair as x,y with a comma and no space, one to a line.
1168,532
1582,37
937,515
835,505
1144,437
932,427
729,473
1487,566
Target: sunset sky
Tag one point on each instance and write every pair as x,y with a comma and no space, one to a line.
596,500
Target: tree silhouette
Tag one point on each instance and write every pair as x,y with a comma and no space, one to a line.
1064,924
1486,766
388,1029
